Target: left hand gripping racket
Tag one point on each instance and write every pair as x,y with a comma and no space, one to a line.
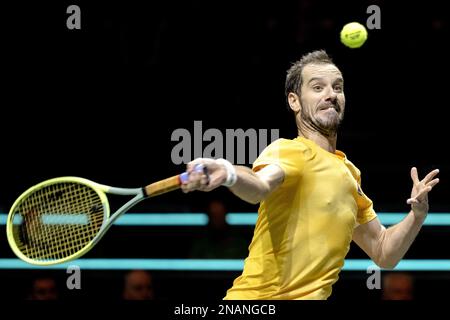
61,219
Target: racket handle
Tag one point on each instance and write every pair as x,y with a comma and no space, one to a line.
170,184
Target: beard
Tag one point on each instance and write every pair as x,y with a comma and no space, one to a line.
325,122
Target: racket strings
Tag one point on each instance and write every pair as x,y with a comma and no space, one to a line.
58,221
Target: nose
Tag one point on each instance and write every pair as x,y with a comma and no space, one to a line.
331,96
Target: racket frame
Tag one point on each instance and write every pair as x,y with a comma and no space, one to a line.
108,220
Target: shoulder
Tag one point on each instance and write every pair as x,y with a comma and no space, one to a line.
296,144
356,173
293,152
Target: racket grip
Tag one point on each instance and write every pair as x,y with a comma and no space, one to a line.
170,184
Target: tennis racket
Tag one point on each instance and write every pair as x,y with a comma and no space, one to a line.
61,219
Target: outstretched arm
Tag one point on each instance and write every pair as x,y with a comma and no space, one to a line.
250,186
386,247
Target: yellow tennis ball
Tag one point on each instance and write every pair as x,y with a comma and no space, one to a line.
353,35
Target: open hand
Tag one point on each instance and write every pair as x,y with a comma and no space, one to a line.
420,190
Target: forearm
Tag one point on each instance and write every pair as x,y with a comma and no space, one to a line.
397,239
249,187
386,247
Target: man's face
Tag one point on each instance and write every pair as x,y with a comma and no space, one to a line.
138,286
397,287
44,289
322,99
217,213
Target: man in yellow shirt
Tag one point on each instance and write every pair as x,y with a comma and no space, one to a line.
312,204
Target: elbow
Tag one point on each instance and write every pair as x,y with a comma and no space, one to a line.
254,201
262,195
256,198
387,264
250,198
253,193
384,258
259,196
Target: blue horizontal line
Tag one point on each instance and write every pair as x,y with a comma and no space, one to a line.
56,219
433,219
404,265
386,218
211,264
145,264
238,219
163,219
136,219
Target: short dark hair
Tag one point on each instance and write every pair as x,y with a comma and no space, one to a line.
294,74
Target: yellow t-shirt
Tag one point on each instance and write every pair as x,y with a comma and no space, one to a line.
305,226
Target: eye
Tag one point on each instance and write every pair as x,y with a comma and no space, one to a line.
317,88
338,88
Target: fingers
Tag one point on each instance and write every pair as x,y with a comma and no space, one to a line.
204,178
427,179
432,183
430,176
412,200
423,193
198,177
198,180
216,180
211,178
414,175
191,165
422,187
420,196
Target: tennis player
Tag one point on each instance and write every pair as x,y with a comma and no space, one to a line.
311,200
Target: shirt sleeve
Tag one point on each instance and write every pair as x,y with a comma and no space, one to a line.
287,154
366,213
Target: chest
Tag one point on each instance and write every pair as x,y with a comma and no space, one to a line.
330,183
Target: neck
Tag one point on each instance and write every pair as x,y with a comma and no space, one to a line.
326,142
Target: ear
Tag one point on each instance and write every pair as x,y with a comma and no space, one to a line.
294,102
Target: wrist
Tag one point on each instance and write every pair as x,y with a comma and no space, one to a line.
419,214
231,176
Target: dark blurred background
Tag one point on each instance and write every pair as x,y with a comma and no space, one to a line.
103,101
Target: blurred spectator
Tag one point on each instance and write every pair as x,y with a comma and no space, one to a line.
219,242
398,286
138,285
43,288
